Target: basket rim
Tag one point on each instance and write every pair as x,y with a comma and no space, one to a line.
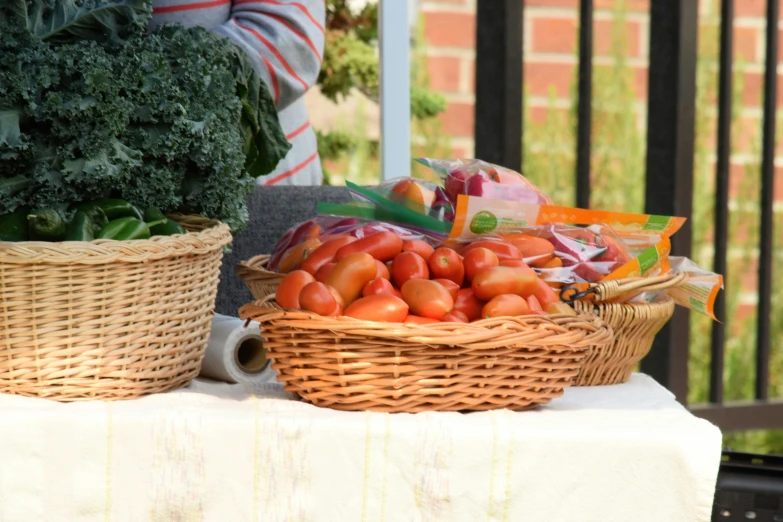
205,235
576,332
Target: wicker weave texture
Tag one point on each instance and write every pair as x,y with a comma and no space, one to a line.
258,279
108,319
346,364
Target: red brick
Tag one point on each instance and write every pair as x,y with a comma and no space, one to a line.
633,5
459,152
541,77
450,29
444,73
602,38
737,176
471,65
554,35
458,119
745,44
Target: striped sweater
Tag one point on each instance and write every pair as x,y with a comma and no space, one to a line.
285,40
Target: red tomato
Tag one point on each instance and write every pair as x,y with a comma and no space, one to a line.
513,263
325,254
378,286
534,305
536,251
427,298
468,304
317,298
455,316
381,308
383,270
477,260
324,272
544,294
505,280
420,247
505,305
501,250
415,319
449,285
383,246
351,274
287,295
408,265
445,263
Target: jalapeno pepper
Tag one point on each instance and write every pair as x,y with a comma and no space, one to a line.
13,226
124,229
46,224
112,208
81,228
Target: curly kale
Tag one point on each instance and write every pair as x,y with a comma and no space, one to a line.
174,119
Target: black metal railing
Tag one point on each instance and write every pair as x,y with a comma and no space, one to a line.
670,155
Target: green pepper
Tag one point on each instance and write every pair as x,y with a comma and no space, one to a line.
112,208
46,224
124,229
13,226
81,228
165,226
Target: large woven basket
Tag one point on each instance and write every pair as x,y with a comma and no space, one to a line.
258,279
347,364
634,325
108,319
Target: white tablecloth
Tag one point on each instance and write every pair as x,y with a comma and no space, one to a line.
214,452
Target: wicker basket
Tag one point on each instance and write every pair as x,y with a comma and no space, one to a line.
347,364
634,325
108,319
258,279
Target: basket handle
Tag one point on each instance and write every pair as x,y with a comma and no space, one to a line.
608,290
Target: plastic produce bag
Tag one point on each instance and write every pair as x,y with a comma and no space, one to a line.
419,195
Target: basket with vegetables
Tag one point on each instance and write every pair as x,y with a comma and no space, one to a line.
614,266
125,160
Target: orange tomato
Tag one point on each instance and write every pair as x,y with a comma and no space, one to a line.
455,316
408,265
324,272
502,250
449,285
505,280
468,304
378,286
383,270
325,253
351,274
420,247
534,305
314,231
294,256
559,308
317,298
477,260
287,295
445,263
505,305
427,298
536,251
381,308
544,294
382,246
555,262
415,319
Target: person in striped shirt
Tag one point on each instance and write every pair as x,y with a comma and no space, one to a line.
285,40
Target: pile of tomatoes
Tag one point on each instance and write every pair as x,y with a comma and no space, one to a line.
382,277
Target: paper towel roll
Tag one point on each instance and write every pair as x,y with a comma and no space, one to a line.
236,354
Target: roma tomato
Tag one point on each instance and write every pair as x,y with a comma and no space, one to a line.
449,285
559,308
427,298
455,316
505,280
408,265
555,262
317,298
351,274
477,260
445,263
544,294
502,250
381,308
415,319
287,295
514,263
420,247
505,305
325,253
378,286
383,270
536,251
534,305
382,246
324,272
468,304
295,256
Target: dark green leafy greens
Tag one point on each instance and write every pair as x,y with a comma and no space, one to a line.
93,106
